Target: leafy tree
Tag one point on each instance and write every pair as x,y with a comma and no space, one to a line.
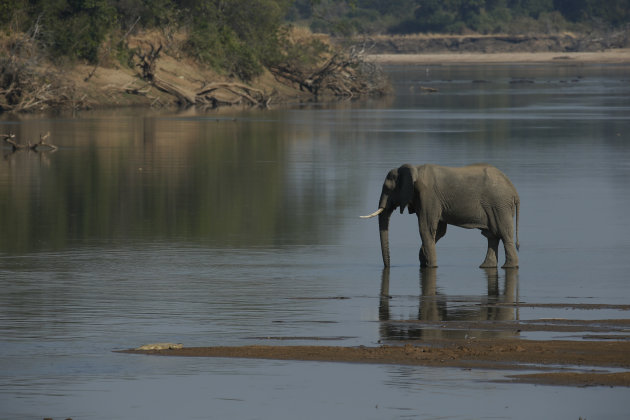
237,36
345,17
72,28
615,12
240,37
148,13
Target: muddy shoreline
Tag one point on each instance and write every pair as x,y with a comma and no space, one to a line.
571,363
597,355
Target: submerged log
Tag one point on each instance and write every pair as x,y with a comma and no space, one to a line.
41,146
9,139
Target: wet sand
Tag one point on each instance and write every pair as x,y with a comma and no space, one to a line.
612,56
604,361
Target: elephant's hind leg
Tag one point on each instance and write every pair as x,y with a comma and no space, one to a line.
511,256
491,259
506,234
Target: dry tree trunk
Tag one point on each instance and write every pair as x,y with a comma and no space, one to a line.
217,94
210,96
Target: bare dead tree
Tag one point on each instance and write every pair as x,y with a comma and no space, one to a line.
24,89
211,95
344,74
147,61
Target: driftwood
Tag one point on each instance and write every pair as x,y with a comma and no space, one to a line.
218,94
211,95
28,94
147,61
24,88
183,98
346,75
9,139
41,146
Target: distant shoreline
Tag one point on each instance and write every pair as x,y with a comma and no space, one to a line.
612,56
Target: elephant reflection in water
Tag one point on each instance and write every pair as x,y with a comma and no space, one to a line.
434,308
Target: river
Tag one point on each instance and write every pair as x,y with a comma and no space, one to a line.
242,227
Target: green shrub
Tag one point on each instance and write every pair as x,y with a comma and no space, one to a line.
75,28
238,37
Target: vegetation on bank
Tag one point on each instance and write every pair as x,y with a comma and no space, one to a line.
242,37
239,40
351,17
242,40
237,37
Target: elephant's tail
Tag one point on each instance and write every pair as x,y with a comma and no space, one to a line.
517,202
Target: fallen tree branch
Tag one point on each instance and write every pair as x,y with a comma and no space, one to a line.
345,75
217,94
41,146
9,139
183,98
211,95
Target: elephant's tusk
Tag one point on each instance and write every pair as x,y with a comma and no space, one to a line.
376,213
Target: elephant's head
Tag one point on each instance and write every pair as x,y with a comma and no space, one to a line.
398,191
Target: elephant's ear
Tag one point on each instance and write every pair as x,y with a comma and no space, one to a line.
406,179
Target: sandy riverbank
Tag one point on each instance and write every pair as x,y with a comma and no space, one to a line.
556,362
598,354
612,56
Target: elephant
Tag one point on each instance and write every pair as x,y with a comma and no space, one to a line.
477,196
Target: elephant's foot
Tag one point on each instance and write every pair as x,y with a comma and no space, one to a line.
427,262
511,256
510,265
490,261
488,264
424,263
511,261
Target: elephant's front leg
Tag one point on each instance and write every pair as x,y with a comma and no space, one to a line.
428,257
491,260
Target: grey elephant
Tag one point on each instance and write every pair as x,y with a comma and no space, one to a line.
477,196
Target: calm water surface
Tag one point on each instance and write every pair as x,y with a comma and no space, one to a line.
242,228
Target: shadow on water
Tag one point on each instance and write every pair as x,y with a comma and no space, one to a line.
441,316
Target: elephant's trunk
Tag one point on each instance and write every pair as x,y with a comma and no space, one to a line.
383,228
